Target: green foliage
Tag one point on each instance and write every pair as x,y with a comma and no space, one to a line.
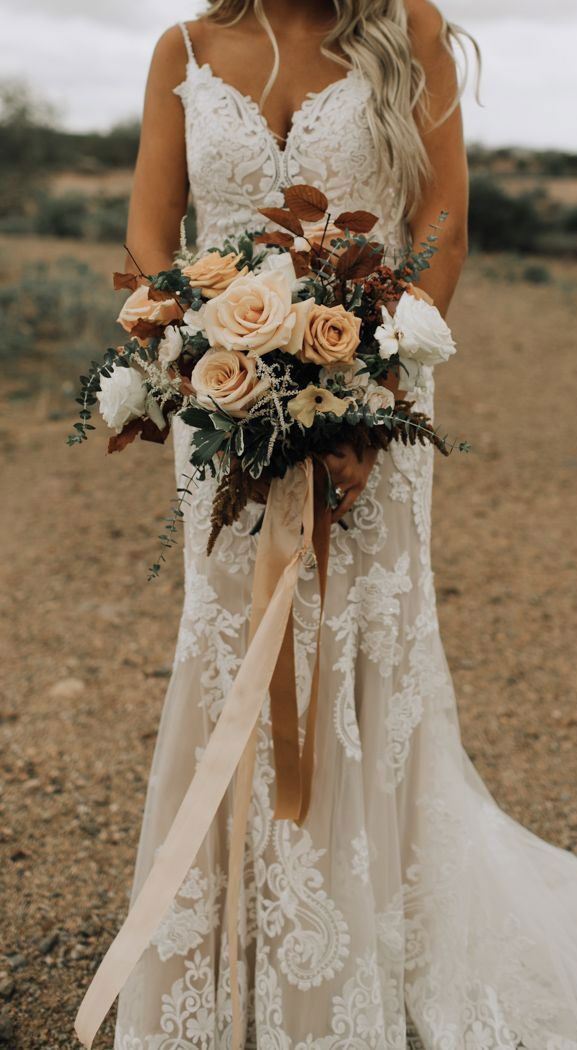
499,222
74,216
536,273
65,305
31,139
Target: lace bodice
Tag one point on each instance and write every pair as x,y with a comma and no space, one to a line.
236,166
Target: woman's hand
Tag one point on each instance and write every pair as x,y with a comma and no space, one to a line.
349,474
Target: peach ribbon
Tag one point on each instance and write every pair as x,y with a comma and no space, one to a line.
293,771
287,534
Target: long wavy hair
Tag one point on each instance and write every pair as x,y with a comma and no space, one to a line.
374,37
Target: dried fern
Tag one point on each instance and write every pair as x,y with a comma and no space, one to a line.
230,499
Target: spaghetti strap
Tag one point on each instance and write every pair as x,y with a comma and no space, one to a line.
187,42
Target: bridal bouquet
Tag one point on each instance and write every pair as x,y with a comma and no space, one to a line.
272,348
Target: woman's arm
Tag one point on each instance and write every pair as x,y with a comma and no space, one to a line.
448,187
159,196
447,190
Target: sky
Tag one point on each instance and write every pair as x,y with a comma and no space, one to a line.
91,57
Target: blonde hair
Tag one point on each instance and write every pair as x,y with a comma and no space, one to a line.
373,34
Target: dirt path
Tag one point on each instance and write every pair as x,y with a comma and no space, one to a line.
87,644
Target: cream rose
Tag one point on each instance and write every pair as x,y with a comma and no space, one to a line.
213,273
138,307
331,337
256,314
378,396
227,378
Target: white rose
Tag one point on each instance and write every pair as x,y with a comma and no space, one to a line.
421,331
387,339
122,397
170,346
193,321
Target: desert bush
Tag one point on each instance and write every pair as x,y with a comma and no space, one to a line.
499,222
536,273
64,306
62,216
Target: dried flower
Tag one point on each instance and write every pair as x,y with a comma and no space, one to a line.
304,407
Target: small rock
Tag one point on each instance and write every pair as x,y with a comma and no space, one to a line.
159,672
47,943
66,689
7,987
89,827
7,1030
16,962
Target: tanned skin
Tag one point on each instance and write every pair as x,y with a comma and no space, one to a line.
160,191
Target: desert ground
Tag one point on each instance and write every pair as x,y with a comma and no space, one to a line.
87,643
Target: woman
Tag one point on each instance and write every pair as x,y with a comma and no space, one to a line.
407,906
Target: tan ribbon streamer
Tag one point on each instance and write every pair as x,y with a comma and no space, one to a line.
289,512
293,772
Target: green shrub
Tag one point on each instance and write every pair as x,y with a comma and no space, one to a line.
64,306
498,222
535,273
62,216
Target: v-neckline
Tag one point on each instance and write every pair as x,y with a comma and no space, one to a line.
253,106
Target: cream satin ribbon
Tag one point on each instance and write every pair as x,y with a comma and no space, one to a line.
286,535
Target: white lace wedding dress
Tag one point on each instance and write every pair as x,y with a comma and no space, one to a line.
409,910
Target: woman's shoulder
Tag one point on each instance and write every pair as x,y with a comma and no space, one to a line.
172,42
425,20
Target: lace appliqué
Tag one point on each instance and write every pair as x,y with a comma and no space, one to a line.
315,947
368,622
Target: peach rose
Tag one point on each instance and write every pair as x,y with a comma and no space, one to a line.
213,273
229,378
256,314
138,307
331,336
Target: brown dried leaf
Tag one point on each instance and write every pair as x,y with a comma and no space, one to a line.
126,280
146,329
157,296
307,202
282,240
356,221
127,435
302,263
150,432
359,260
285,218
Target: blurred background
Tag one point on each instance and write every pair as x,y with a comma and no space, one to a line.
86,644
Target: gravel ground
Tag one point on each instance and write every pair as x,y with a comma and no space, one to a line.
87,643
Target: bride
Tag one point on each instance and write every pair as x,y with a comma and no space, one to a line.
408,909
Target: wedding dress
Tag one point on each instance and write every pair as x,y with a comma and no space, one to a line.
408,910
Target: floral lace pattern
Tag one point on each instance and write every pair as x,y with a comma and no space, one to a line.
409,912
